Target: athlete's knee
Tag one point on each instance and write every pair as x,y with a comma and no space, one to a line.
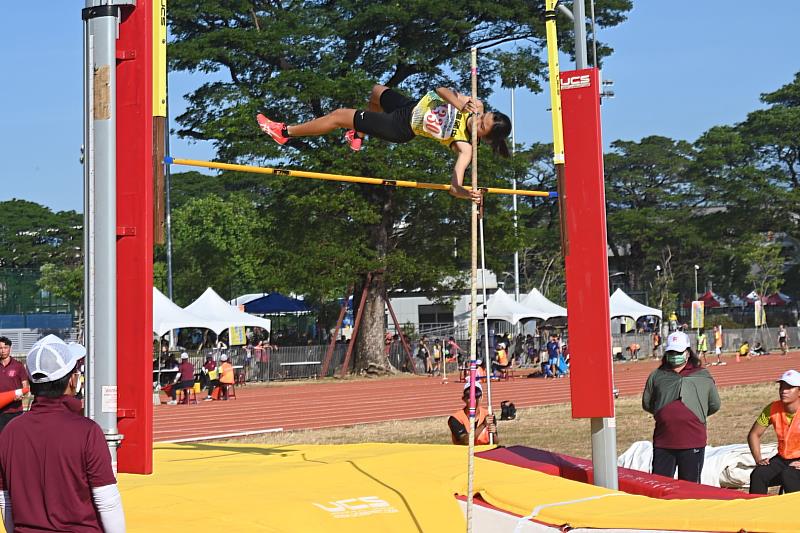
377,92
343,117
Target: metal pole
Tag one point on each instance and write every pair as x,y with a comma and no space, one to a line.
514,197
579,23
102,25
604,430
486,364
88,224
168,219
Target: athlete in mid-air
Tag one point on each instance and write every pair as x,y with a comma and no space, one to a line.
443,115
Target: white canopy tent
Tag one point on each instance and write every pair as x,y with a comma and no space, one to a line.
211,306
168,316
501,306
536,302
622,305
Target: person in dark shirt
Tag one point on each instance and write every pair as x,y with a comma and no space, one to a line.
12,377
681,395
55,465
183,380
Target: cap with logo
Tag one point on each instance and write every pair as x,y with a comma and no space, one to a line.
790,377
677,341
50,359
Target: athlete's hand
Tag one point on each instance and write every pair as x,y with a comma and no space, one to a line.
764,462
470,106
795,464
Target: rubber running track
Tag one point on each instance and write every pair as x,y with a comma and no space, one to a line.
336,404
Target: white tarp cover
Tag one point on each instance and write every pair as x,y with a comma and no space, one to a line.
501,306
621,304
724,466
545,309
210,305
168,316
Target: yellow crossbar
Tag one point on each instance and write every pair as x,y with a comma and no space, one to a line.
348,179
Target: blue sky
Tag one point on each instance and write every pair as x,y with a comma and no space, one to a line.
679,67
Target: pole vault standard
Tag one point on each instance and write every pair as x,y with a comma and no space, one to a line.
345,178
579,165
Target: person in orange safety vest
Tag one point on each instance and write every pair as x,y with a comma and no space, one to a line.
226,376
484,423
784,468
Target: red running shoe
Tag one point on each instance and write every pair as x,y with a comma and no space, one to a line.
273,129
353,140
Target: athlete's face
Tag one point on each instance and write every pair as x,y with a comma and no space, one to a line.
485,124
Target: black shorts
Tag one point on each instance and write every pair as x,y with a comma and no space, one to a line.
393,124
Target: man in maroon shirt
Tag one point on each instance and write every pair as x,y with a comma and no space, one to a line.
12,377
184,380
55,467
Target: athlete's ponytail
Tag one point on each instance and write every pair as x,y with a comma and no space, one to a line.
497,135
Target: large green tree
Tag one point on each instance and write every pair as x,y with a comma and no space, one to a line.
296,60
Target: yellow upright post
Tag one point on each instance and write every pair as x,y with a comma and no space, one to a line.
555,106
159,117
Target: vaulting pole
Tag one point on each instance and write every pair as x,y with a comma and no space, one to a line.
473,319
345,178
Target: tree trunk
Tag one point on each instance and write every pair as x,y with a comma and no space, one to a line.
370,356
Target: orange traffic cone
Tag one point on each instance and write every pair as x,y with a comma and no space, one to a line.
6,397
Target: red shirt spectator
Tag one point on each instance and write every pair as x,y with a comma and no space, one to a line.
12,377
55,465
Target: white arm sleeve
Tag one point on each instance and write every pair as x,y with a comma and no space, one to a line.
5,507
108,502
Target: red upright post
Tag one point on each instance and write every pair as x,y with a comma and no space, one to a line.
586,258
399,330
332,344
356,324
135,238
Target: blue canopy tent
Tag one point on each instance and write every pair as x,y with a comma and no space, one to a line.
276,303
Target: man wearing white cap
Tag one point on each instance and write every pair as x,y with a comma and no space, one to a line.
681,395
784,468
55,467
484,423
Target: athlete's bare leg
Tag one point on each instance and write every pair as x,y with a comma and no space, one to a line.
341,118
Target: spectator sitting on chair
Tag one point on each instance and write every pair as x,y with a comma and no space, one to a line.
184,379
484,423
783,468
211,374
501,361
226,376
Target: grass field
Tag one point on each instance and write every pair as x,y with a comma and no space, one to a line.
549,427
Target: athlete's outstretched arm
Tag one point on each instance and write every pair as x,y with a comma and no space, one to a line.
463,159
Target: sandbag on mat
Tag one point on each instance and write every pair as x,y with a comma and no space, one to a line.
395,488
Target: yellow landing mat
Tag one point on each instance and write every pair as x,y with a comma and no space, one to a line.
387,488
